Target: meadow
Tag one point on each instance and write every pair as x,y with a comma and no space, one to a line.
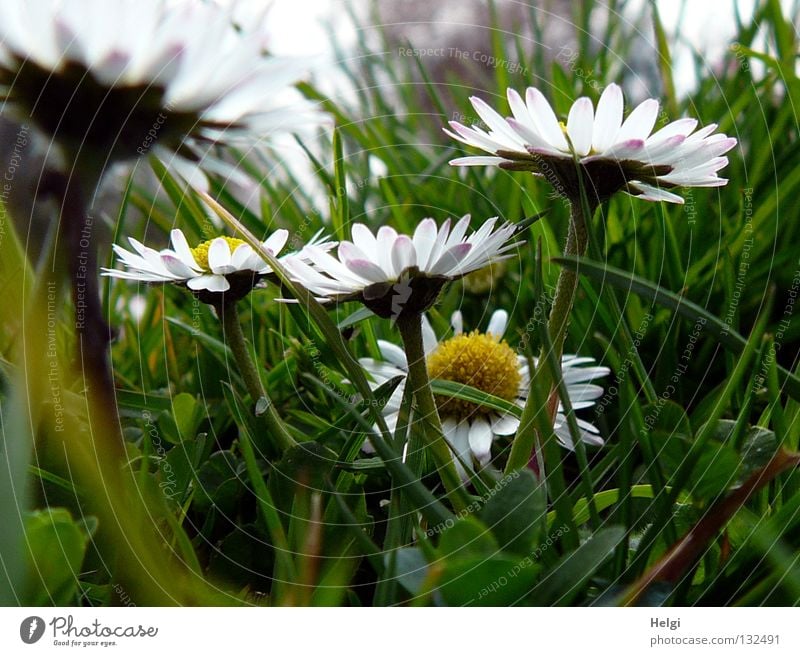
242,477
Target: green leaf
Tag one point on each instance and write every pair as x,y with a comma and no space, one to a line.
56,545
759,446
340,216
566,580
501,580
410,568
467,393
303,470
516,511
667,419
716,471
467,537
218,483
606,499
186,416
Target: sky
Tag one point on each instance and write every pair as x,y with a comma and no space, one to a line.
706,26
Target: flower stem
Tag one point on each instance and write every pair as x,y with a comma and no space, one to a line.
567,283
93,334
523,447
427,415
234,337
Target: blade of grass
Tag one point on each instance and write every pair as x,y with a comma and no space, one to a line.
730,339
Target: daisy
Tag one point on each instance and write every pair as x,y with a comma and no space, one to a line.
614,155
126,77
397,275
220,265
484,360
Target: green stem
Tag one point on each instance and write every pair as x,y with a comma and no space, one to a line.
426,417
285,570
567,283
525,442
234,337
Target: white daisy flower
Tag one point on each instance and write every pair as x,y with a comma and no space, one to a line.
484,361
220,265
395,274
614,154
124,77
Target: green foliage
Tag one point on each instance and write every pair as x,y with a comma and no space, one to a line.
56,545
692,307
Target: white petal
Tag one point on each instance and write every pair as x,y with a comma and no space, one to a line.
520,110
241,255
368,270
403,254
498,323
364,239
682,127
648,192
185,169
561,430
219,256
505,425
479,160
450,260
545,119
457,435
424,241
276,241
209,282
640,122
385,239
475,137
579,125
458,232
429,341
393,353
182,250
457,322
496,123
380,371
176,266
439,244
333,267
630,149
581,392
480,440
532,139
608,118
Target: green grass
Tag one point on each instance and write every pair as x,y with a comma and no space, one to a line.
692,307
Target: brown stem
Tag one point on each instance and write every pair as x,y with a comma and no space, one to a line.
684,553
93,334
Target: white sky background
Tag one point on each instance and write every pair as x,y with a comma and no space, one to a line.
706,26
703,25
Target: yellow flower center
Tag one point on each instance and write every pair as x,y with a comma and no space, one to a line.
477,359
200,251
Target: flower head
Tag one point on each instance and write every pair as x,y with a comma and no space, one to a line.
220,265
612,154
395,274
484,360
121,77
